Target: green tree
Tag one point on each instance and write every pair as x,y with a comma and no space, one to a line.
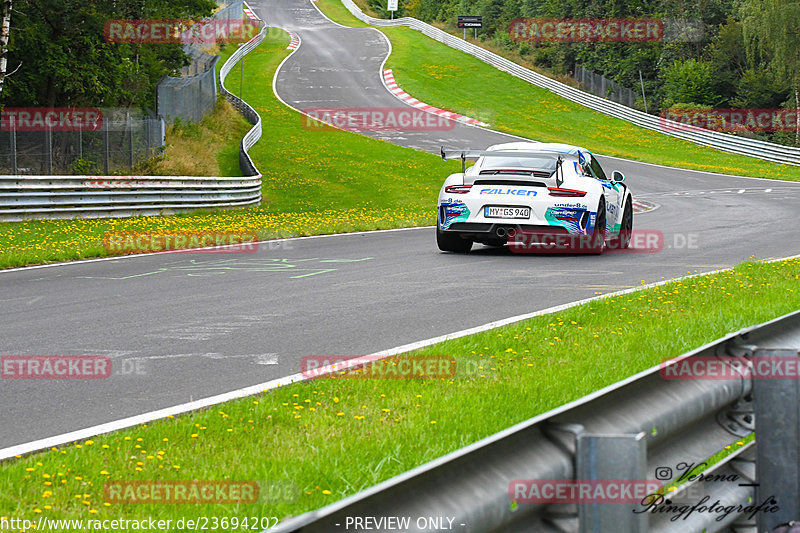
771,29
689,82
66,60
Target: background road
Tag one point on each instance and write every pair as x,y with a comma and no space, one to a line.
187,326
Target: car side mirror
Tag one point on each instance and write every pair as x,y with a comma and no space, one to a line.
617,176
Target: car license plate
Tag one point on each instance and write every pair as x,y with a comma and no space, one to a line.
506,212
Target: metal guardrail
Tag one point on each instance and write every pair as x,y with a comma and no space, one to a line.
729,143
53,197
623,432
252,136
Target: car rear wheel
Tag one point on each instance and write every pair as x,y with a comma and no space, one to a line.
598,242
626,228
451,242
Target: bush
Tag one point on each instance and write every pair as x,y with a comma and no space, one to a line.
689,81
503,40
84,166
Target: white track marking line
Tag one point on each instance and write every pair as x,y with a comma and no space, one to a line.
188,250
60,440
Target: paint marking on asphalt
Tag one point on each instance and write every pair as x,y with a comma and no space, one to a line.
188,250
728,190
643,206
73,436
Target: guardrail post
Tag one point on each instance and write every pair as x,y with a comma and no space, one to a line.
777,408
611,458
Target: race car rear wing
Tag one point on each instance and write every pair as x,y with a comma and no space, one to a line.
474,154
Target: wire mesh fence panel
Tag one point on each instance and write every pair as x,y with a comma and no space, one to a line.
599,85
232,11
119,144
194,94
188,98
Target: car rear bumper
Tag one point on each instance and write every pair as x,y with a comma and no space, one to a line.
499,232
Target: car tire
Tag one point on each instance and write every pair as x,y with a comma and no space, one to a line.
598,242
451,242
626,227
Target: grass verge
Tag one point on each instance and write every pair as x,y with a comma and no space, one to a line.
206,148
443,77
315,181
334,437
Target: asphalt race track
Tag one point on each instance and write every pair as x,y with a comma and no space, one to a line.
187,326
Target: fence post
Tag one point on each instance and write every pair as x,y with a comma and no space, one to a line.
130,142
777,412
105,150
48,135
611,457
13,146
644,99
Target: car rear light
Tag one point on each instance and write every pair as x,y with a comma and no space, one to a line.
567,193
457,189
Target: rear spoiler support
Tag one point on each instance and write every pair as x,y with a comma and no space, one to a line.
475,154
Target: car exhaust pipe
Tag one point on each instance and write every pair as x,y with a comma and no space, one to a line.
511,232
500,232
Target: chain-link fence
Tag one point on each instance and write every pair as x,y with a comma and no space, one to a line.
194,94
601,86
119,143
188,98
123,138
232,11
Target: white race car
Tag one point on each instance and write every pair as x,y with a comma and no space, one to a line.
536,196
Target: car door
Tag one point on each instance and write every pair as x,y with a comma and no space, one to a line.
612,192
